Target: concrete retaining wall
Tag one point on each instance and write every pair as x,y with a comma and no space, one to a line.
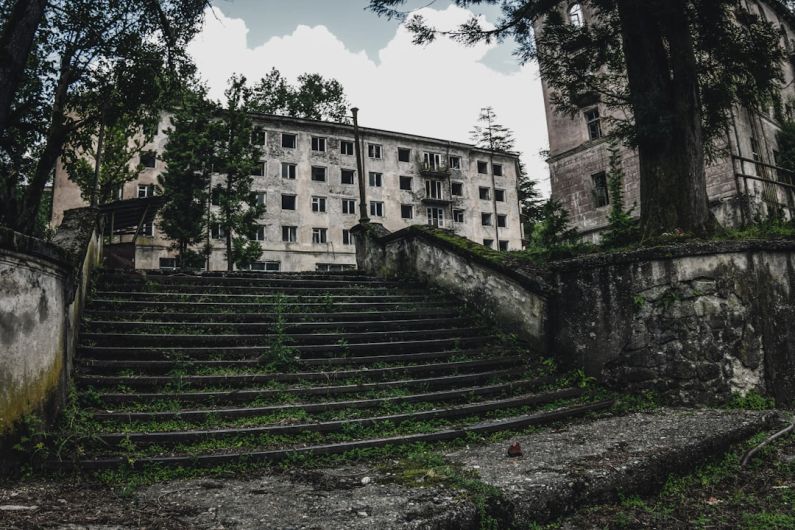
42,291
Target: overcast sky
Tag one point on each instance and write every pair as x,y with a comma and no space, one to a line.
436,90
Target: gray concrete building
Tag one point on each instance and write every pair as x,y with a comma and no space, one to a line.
308,184
743,180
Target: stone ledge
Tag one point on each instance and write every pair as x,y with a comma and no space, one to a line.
695,248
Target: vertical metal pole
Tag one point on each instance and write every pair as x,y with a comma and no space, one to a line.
363,218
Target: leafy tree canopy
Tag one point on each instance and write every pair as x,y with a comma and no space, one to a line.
313,97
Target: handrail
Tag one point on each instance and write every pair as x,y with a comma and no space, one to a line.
769,181
763,164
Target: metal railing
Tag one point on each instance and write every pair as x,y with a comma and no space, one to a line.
774,185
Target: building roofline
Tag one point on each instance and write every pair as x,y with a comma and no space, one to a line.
382,132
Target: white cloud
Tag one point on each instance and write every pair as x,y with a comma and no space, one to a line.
436,90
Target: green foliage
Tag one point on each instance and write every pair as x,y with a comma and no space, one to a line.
553,229
622,226
238,159
314,97
751,401
189,157
489,134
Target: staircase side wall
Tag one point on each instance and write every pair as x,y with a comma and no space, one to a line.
693,328
43,287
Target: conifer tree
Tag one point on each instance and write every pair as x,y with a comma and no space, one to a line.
622,226
189,156
238,160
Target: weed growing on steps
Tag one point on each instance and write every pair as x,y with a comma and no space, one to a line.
280,355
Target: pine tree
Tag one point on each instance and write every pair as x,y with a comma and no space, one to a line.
622,226
189,157
530,201
238,160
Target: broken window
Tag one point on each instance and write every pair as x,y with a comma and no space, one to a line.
263,266
319,235
217,231
377,209
488,243
318,174
575,16
318,144
143,191
432,160
485,193
433,189
288,171
148,159
455,162
347,176
457,189
483,167
289,234
258,170
374,150
497,168
600,194
458,216
258,198
406,211
593,121
405,183
375,179
499,195
404,154
288,202
504,246
288,141
168,264
435,216
257,233
346,147
258,136
348,206
485,219
347,237
502,220
319,204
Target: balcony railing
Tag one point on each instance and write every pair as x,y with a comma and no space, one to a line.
774,185
433,170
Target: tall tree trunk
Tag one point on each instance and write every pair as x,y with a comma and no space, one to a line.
662,76
16,42
227,220
57,135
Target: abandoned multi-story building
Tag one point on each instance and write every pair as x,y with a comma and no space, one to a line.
743,181
308,184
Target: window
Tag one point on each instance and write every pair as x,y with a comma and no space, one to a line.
458,216
375,179
488,243
404,154
346,147
348,206
217,231
150,129
148,159
374,150
334,267
600,195
406,211
215,196
497,169
168,264
432,160
147,230
485,219
258,170
289,234
455,162
143,191
433,189
258,198
319,235
483,168
288,141
499,195
319,204
257,233
288,171
575,16
347,176
504,246
318,144
594,125
502,220
264,266
457,189
435,216
258,136
347,237
485,193
318,174
754,151
405,183
377,209
288,202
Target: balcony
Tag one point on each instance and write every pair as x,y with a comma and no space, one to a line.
430,170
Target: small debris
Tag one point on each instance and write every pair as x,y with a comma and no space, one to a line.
515,450
366,480
362,514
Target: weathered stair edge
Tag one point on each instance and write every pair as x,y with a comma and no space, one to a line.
277,455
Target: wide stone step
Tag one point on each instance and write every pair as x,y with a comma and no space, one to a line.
143,382
214,328
304,352
274,291
450,412
287,308
169,317
250,395
216,459
242,278
266,340
199,415
97,366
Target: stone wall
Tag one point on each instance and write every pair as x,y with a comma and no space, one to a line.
694,323
514,299
42,291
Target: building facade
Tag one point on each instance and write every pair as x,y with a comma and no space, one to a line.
743,180
308,183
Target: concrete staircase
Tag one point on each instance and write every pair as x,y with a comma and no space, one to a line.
227,368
